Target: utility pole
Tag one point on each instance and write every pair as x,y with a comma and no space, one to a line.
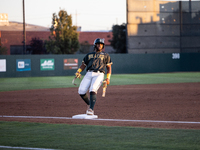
76,18
24,30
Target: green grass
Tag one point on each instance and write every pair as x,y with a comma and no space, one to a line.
155,78
76,137
11,84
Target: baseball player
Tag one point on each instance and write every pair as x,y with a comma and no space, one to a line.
96,62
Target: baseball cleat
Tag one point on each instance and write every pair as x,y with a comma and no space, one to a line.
90,112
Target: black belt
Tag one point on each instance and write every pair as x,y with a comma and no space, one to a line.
96,71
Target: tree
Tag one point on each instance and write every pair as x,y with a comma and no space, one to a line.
64,38
85,47
37,46
3,50
118,41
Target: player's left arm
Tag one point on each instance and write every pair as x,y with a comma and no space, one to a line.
109,71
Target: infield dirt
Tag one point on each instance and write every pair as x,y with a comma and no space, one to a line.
163,102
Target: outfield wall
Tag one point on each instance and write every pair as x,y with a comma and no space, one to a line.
66,65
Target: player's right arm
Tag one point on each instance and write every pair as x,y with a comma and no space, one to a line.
80,69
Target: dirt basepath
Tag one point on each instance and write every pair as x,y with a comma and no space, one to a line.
160,102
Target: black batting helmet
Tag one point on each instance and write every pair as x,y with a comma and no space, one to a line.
98,40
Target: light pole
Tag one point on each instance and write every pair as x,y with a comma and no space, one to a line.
24,30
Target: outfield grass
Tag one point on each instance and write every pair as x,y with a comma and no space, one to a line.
11,84
84,137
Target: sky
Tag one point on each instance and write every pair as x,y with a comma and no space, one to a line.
91,15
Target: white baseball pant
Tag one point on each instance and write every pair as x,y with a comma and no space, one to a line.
91,81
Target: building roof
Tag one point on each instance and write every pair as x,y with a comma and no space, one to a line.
91,36
18,26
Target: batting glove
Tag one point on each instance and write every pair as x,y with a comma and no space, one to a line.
78,73
107,81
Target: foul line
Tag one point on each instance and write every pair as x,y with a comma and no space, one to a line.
99,119
10,147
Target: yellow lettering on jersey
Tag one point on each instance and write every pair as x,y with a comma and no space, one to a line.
90,56
101,57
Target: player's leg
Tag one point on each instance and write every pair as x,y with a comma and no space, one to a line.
93,97
95,85
85,98
84,86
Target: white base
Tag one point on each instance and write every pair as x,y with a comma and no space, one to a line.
84,116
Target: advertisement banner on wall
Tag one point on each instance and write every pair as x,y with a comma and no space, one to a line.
2,65
23,64
47,64
70,63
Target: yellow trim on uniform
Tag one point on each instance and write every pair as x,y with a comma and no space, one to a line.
109,64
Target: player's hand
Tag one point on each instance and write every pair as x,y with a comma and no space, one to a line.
107,81
78,74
